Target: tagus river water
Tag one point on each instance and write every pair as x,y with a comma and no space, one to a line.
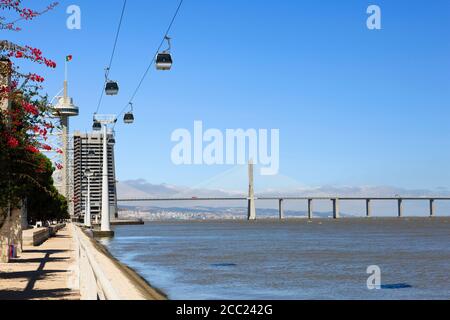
323,259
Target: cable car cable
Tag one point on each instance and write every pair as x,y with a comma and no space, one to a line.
166,34
107,71
159,48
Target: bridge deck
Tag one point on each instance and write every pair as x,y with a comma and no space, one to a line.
310,200
289,198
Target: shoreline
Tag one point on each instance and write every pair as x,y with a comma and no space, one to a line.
60,257
72,265
144,286
300,219
120,281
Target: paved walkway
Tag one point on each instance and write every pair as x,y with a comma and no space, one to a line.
46,272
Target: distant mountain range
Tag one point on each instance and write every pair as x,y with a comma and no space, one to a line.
142,189
135,189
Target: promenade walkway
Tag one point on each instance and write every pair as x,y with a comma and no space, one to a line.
47,272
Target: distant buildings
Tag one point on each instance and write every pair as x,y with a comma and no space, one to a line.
174,215
88,154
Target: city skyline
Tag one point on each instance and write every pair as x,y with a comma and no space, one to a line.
354,107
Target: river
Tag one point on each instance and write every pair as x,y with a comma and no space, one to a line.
295,259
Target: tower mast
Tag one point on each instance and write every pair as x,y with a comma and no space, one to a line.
65,109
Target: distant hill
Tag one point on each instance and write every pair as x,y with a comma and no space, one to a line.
134,189
141,188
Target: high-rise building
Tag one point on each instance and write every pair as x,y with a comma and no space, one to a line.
88,154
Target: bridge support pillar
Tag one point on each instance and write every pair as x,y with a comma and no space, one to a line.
281,208
336,214
400,208
368,208
251,209
432,208
310,209
251,193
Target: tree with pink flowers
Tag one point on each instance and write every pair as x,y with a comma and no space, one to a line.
24,113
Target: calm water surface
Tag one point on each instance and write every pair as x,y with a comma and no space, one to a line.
323,259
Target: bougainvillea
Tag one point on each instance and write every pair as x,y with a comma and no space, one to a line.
22,13
25,120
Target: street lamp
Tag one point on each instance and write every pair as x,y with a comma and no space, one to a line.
105,120
87,217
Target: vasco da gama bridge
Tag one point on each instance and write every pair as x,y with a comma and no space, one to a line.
335,201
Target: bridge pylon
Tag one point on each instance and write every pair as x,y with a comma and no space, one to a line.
251,192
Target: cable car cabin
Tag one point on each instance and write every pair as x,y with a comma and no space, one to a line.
97,126
111,88
164,61
128,118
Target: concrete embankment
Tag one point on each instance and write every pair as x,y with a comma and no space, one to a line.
65,263
101,276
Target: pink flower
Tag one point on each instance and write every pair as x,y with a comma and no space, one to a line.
12,142
32,149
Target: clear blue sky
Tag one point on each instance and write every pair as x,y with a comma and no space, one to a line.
354,107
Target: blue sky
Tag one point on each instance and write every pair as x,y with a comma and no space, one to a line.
354,106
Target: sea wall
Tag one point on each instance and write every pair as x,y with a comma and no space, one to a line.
102,277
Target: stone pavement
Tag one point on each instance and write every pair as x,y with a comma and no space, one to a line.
47,272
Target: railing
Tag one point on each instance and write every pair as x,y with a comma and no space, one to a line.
310,200
93,283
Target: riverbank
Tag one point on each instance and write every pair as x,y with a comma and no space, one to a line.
71,266
113,278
